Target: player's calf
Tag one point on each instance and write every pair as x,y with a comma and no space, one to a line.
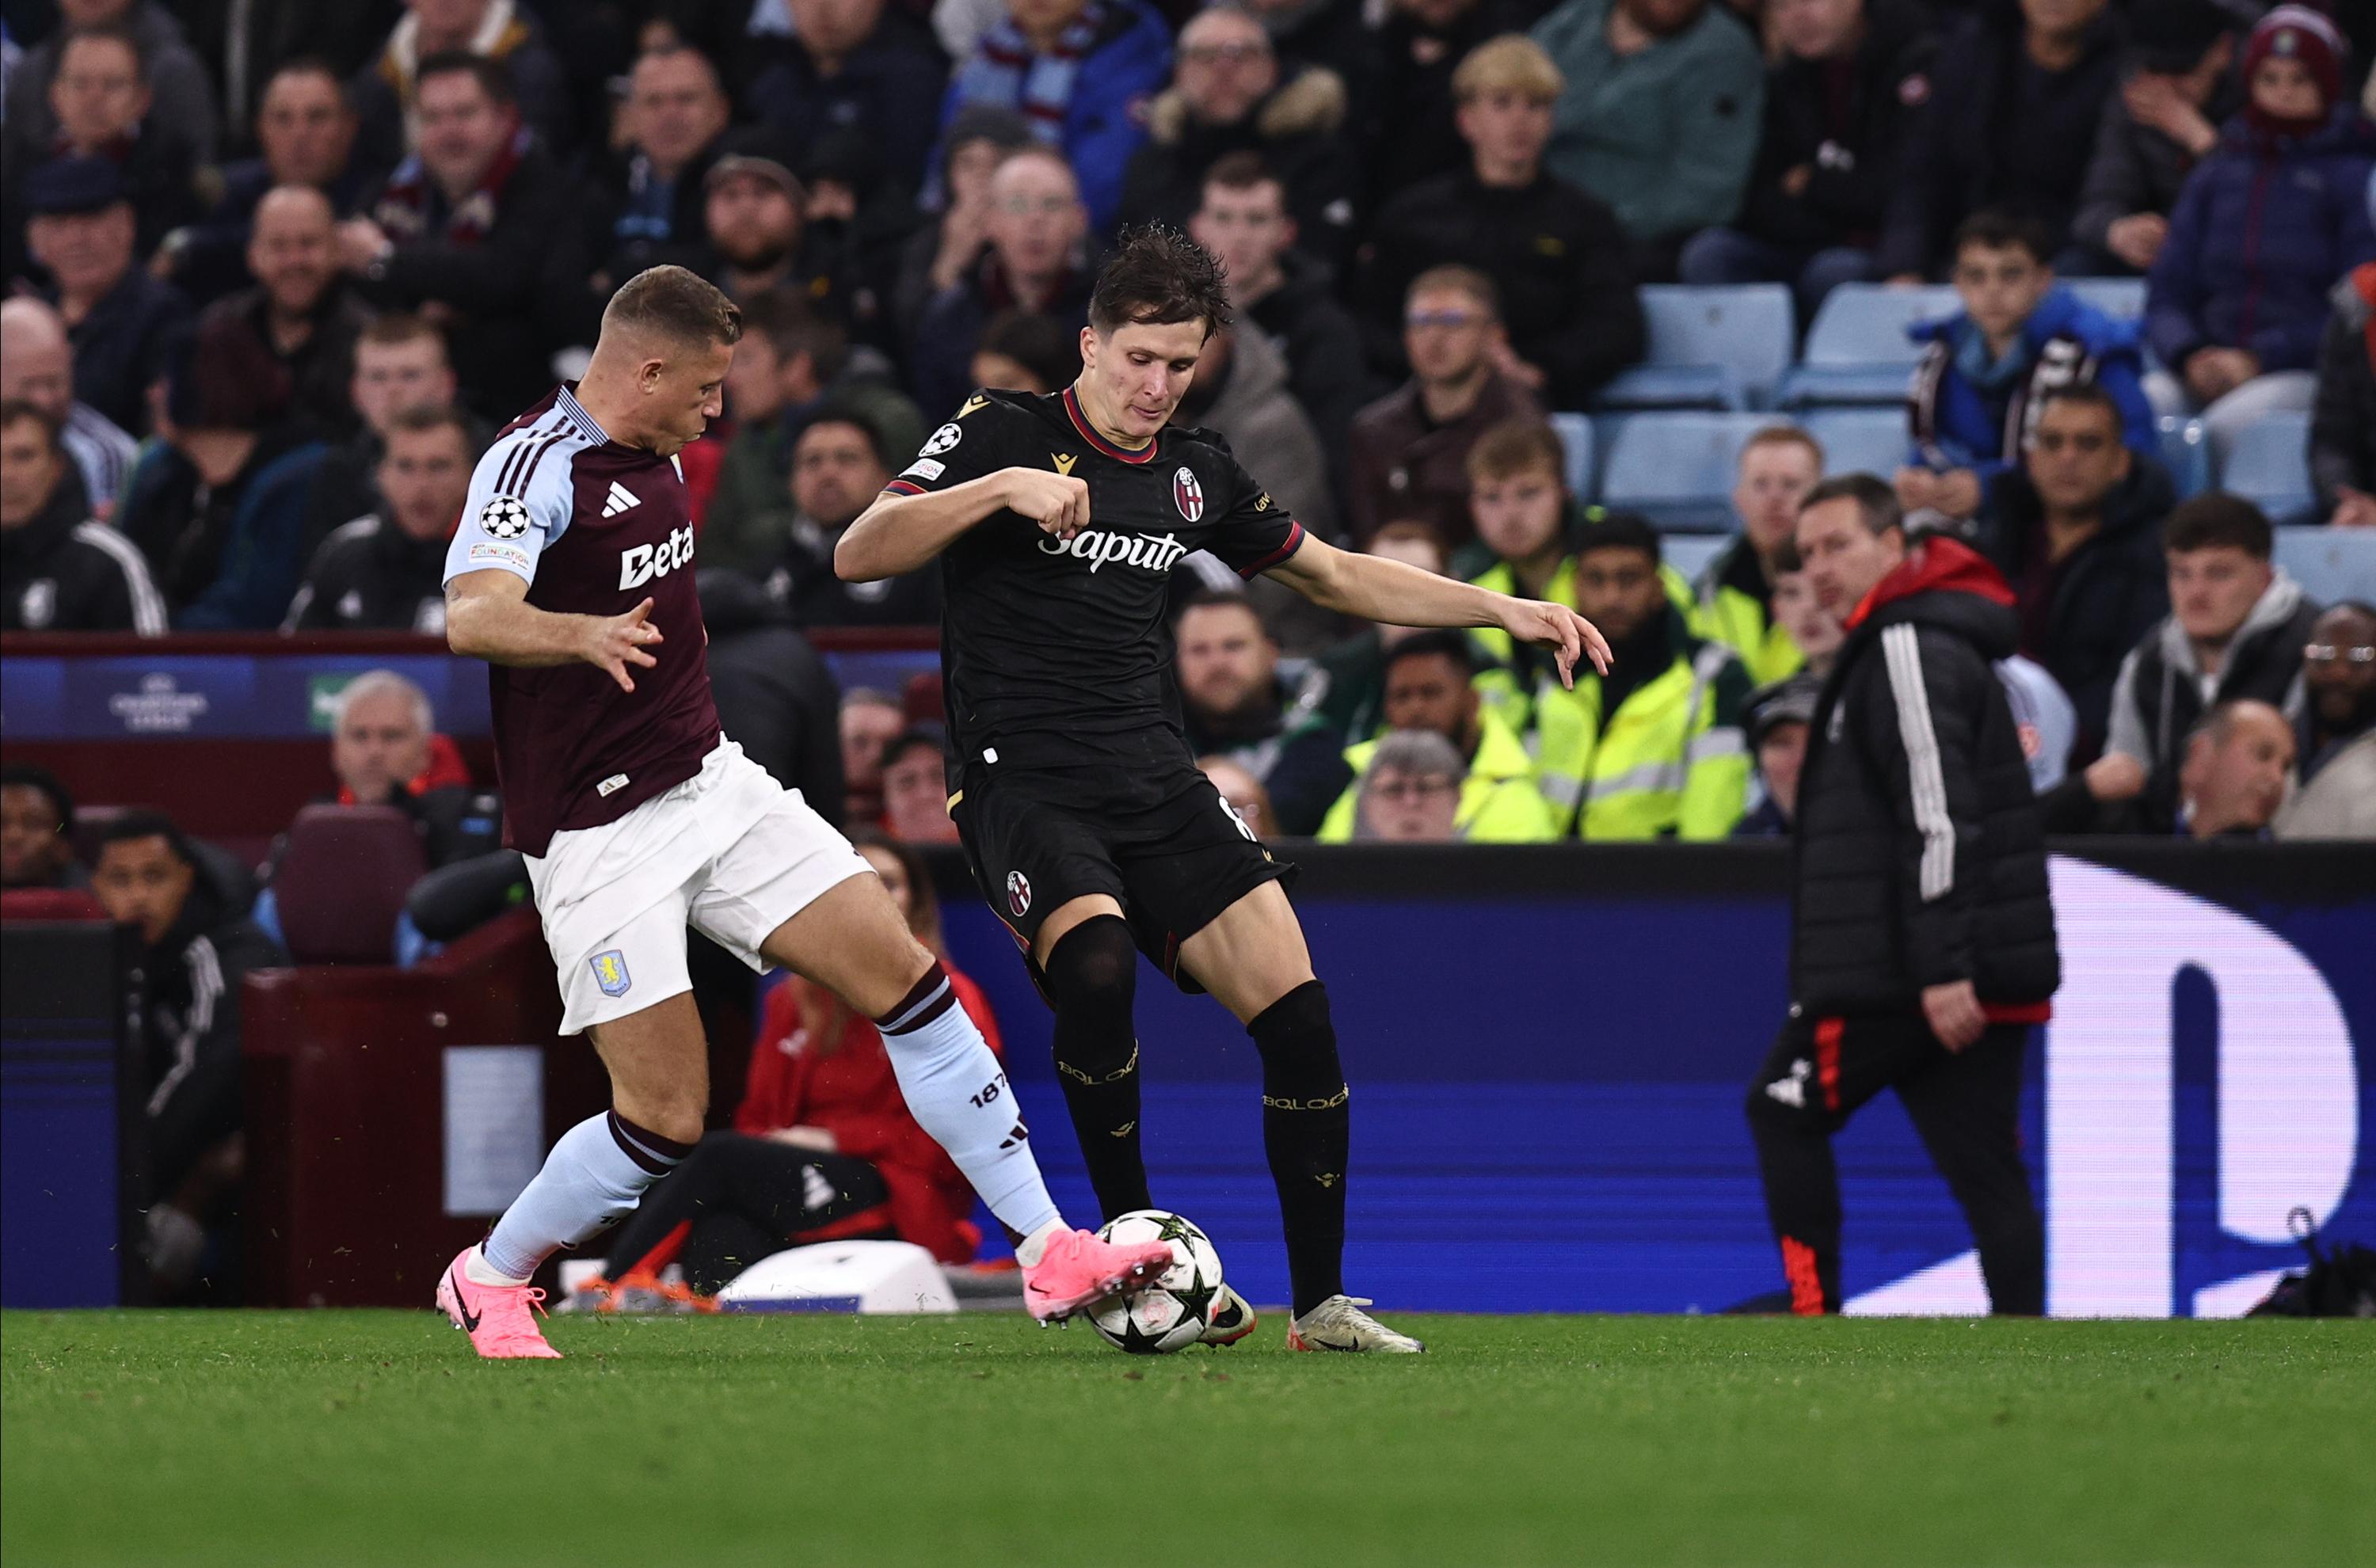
1091,977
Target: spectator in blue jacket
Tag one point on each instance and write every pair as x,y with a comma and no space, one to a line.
1081,73
1986,371
2264,227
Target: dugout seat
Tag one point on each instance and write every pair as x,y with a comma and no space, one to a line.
1721,348
2330,564
1859,441
2122,299
342,881
1857,353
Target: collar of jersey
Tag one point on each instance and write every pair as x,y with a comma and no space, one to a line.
577,413
1089,435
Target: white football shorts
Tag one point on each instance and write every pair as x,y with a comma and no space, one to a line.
730,852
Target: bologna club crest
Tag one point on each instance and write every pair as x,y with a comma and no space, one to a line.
1187,495
1019,893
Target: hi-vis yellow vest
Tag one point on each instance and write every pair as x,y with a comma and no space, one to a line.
1506,683
1672,761
1724,615
1498,803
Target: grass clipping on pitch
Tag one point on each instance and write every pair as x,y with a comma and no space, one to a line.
368,1438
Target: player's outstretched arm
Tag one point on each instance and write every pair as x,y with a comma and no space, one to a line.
488,616
1400,595
899,533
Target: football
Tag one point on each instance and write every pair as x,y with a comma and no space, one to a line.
1170,1313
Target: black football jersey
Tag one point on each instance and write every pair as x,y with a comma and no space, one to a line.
1054,652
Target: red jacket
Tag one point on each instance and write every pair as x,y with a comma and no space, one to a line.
851,1093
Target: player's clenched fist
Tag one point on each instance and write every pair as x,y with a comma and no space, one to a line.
1057,503
615,642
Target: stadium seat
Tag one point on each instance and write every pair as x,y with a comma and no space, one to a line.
2269,466
2330,564
1677,469
2124,299
2186,454
1859,441
1710,347
342,881
1856,352
1576,439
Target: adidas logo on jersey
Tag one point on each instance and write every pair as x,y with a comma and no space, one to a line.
621,498
1101,548
644,562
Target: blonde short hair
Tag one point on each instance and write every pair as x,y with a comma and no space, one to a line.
1512,62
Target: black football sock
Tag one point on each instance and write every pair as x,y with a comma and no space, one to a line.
1092,976
1307,1133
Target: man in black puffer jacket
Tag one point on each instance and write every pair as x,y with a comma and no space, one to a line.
1922,944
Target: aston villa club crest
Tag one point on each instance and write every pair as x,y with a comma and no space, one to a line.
1019,893
610,973
1187,495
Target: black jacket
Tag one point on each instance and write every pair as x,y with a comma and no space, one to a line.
120,347
190,985
1326,366
1847,125
1998,134
2101,599
370,576
805,585
1556,254
774,695
2342,421
1404,113
62,573
1285,742
1919,858
2136,169
319,371
1297,130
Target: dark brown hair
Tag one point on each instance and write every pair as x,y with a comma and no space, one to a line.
1159,276
1876,500
676,303
2218,518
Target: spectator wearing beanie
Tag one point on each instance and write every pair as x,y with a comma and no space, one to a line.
1230,95
122,321
2163,122
1658,116
1841,103
1078,72
2027,90
1557,256
2343,412
2238,300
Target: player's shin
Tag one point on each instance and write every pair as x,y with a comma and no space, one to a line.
958,1093
1091,977
593,1179
1307,1133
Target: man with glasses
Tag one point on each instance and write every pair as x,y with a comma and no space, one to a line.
1411,794
1431,690
1036,227
1409,450
2076,531
2338,798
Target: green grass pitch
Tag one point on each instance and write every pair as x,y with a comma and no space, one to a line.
366,1438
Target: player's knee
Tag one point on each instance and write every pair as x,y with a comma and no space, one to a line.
1298,1043
677,1115
1094,968
1771,1113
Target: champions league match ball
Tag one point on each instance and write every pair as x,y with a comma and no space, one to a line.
1170,1314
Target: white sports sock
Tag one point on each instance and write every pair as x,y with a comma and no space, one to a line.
958,1093
592,1180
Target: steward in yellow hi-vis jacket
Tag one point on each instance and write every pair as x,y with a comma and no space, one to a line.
1429,687
1654,749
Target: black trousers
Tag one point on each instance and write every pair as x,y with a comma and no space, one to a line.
737,1199
1966,1106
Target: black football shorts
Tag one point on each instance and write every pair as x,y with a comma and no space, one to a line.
1168,847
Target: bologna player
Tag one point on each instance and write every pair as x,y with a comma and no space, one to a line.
572,575
1091,831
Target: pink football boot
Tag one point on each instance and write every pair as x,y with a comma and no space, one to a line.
1078,1270
500,1318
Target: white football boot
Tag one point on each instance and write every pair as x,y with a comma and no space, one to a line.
1339,1323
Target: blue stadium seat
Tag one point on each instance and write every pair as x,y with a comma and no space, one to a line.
1710,347
1859,441
1857,353
2269,466
2124,299
1575,438
1676,468
2330,564
2186,454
